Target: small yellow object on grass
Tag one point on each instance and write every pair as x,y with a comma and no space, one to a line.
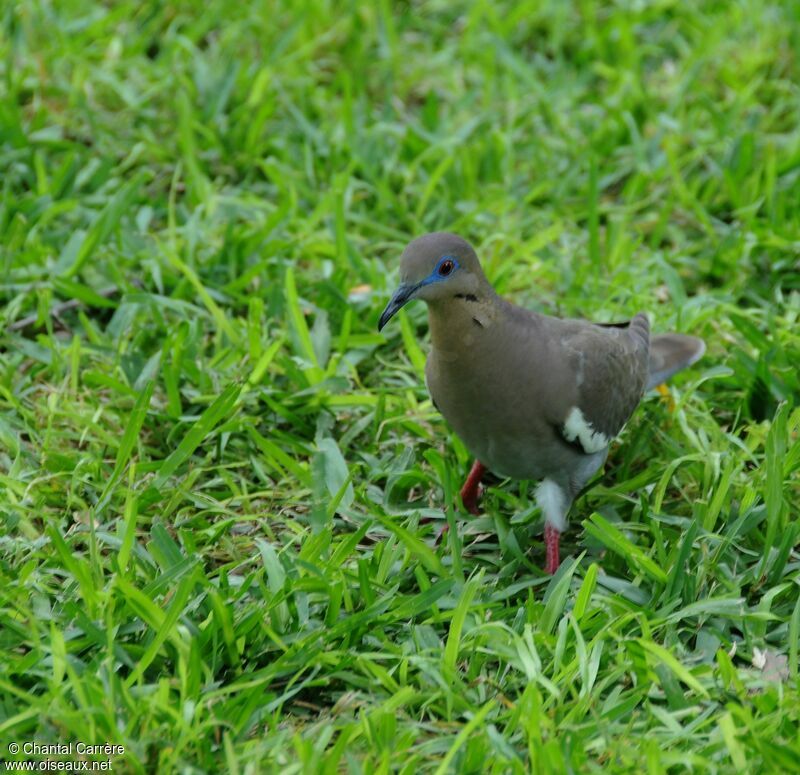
664,391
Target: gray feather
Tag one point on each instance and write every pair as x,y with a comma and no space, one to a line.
612,366
669,353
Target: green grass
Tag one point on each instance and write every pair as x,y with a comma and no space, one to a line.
214,471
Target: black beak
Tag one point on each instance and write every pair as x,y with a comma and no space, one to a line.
401,296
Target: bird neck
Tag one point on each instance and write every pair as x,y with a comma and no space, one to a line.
459,322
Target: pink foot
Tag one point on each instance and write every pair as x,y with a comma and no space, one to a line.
551,536
470,492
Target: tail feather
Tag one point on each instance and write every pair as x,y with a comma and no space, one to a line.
669,353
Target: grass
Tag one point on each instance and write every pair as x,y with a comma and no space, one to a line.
214,471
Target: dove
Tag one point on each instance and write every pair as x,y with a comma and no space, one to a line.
531,396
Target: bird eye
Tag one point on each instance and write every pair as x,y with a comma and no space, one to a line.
446,267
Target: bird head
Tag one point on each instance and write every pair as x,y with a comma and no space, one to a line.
435,267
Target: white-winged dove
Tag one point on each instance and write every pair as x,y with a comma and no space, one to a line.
531,396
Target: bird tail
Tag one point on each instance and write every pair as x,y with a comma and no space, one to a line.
669,353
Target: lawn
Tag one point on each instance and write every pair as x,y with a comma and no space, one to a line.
221,487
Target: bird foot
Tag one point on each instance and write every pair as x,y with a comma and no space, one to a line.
551,536
470,500
471,491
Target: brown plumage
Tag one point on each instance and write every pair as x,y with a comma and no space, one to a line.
531,396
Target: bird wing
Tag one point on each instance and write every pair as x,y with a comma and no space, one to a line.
611,367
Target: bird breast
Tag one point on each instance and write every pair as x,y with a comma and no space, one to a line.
494,408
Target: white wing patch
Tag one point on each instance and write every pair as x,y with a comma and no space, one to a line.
551,500
576,428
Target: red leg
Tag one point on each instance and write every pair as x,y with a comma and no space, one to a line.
551,536
471,489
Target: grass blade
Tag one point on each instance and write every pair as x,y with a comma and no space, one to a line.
602,530
666,658
457,624
219,410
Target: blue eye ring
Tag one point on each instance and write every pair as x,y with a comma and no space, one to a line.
446,266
